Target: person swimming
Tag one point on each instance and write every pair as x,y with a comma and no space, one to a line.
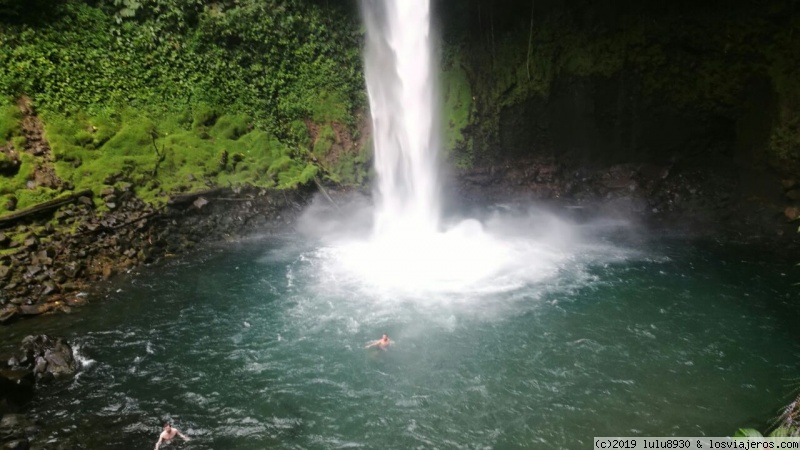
168,434
381,343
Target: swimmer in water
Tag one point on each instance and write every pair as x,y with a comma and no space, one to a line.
168,434
381,343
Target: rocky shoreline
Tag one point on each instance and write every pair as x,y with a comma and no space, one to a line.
53,257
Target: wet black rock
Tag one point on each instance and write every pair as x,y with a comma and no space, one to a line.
14,432
48,357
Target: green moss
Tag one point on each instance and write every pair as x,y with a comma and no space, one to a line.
11,185
229,126
324,141
10,121
329,107
457,105
19,143
84,138
204,115
281,164
350,168
296,174
30,197
298,132
185,160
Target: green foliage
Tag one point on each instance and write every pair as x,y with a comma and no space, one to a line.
298,132
273,61
19,142
157,90
747,433
350,168
229,126
457,106
700,65
204,115
329,107
752,433
324,142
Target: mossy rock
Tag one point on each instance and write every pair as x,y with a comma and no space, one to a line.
19,143
10,121
325,140
8,166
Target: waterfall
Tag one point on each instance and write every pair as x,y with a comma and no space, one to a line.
413,249
400,83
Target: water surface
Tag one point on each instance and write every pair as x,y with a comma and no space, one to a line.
259,345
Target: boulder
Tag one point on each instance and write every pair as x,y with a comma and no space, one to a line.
48,357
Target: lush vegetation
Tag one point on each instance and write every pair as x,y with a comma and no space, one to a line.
176,95
685,56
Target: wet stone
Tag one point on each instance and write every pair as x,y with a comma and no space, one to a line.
33,270
58,276
49,288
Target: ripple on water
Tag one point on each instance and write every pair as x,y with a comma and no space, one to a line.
599,346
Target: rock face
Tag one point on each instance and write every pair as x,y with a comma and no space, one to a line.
680,197
48,266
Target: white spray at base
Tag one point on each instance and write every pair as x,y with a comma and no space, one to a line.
410,248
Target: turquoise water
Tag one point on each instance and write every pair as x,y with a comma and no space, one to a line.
258,345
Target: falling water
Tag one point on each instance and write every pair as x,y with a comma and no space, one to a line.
400,80
411,248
